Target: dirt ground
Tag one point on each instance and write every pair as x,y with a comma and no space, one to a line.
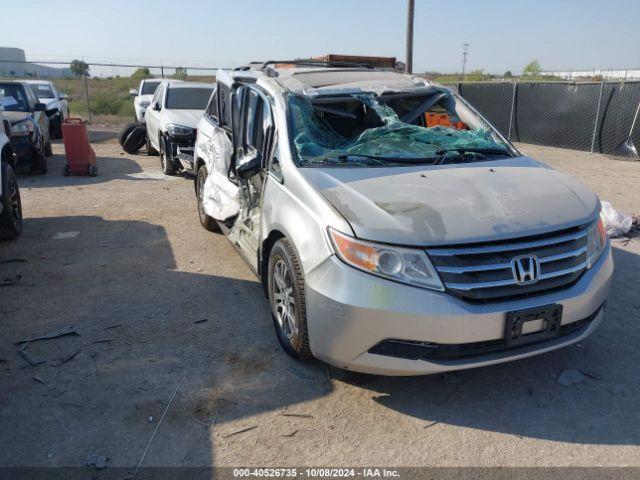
160,305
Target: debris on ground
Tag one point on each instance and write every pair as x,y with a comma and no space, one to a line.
39,380
615,223
202,320
105,340
429,425
113,326
7,282
61,332
298,415
100,462
13,260
291,434
590,375
571,376
242,430
65,235
34,362
62,360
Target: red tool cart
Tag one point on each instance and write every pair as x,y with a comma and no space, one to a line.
81,159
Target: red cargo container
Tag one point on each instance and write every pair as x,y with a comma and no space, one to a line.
81,159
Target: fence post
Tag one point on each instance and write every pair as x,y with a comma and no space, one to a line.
595,122
86,94
513,109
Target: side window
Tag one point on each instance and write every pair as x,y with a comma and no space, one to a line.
31,97
212,108
157,95
258,132
224,105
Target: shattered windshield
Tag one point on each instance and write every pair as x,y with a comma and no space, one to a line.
367,130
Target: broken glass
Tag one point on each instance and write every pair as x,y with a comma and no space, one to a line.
318,142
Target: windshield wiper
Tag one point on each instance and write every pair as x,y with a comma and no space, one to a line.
442,154
382,159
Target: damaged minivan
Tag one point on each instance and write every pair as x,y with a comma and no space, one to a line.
394,230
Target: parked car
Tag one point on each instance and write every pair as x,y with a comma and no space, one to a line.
56,102
394,230
143,95
172,118
29,131
10,205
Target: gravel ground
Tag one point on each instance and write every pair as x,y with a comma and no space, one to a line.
138,277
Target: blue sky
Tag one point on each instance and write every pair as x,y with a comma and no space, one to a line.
504,34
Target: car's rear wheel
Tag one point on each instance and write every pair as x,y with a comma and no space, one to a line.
11,215
287,299
205,220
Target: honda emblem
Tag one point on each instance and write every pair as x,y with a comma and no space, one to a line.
526,269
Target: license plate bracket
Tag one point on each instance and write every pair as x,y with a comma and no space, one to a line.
532,324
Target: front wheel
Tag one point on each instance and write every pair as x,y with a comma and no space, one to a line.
11,215
166,161
287,300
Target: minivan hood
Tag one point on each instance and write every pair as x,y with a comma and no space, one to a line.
458,203
15,117
188,118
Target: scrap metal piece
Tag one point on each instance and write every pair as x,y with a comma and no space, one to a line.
69,330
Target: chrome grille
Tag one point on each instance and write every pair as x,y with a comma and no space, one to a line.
483,272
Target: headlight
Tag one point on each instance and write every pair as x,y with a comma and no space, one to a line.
174,129
405,265
596,241
144,104
26,127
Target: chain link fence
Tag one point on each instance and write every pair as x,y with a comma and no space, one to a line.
597,117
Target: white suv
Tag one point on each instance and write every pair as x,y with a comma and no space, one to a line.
143,96
57,104
172,118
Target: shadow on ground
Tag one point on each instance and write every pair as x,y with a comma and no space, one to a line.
146,329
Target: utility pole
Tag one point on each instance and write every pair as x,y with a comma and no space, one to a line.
409,65
465,55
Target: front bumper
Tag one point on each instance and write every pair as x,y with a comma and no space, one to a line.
349,312
24,146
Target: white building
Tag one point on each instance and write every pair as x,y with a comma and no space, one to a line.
12,65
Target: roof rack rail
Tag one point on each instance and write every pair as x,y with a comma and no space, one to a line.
317,63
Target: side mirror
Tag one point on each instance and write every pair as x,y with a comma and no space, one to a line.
40,107
133,92
64,96
249,164
156,106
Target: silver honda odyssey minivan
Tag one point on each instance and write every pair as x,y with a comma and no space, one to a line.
394,230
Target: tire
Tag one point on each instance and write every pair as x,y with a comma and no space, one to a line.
48,150
39,164
135,140
166,166
205,220
92,171
126,130
11,215
150,149
291,328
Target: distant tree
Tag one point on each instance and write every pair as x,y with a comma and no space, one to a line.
532,70
79,68
180,73
508,74
141,73
476,75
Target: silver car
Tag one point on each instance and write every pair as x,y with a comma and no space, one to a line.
394,230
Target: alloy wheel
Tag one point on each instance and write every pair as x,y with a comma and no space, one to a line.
284,300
